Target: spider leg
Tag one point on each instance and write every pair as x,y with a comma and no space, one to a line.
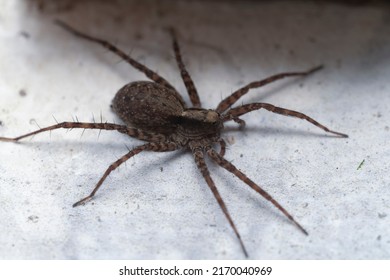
240,122
231,99
156,147
136,133
190,86
241,110
232,169
142,68
199,160
222,143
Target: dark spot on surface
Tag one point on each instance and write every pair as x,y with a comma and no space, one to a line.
312,39
382,215
25,34
138,36
22,93
33,219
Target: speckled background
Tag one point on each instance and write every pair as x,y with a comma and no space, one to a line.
158,206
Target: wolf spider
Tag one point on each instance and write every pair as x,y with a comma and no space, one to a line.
156,113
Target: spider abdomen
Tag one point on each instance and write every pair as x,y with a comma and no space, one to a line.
148,106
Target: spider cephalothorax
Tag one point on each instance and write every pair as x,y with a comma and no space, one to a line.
156,113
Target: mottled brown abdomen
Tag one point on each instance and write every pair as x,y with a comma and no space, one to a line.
148,106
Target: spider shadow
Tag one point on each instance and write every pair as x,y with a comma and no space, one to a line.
255,201
251,199
93,147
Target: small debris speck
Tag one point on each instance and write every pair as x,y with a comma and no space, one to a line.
24,34
360,165
22,93
33,219
382,215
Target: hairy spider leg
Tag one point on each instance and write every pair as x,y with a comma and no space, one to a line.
190,86
244,109
107,45
241,122
232,169
136,133
231,99
200,162
222,143
155,147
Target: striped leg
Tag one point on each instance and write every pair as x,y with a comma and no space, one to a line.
136,133
231,168
190,86
232,114
199,160
149,73
156,147
231,99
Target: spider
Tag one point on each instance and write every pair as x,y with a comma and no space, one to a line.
153,111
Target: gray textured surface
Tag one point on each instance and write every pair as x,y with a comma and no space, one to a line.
158,205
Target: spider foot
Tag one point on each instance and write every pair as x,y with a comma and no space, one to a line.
83,201
240,122
301,228
342,135
5,139
315,69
